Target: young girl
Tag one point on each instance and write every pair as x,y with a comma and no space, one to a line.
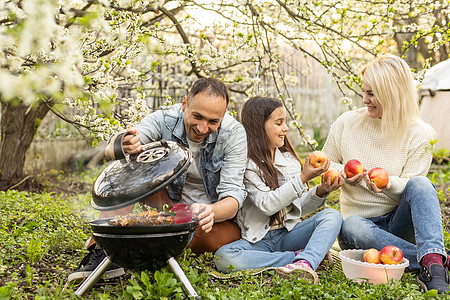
278,196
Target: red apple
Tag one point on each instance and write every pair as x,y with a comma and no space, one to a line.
391,255
333,173
317,159
353,167
372,256
379,176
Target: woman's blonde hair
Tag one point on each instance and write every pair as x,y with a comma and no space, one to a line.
393,86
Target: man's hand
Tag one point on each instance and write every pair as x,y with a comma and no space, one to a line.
204,214
130,143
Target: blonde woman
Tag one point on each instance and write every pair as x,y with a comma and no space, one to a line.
388,133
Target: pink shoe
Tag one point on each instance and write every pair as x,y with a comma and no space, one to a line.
328,258
301,268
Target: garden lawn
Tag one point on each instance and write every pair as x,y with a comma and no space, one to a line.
42,236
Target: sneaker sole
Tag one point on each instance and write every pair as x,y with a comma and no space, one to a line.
108,274
301,273
422,285
425,289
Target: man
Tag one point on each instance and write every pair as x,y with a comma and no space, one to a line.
213,184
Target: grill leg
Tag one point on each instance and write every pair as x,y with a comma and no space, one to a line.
94,277
182,277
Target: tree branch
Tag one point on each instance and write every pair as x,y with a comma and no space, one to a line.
183,36
78,13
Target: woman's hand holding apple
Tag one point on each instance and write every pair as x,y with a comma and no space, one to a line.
355,180
353,172
373,187
377,180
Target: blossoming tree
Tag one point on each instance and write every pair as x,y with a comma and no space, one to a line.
103,57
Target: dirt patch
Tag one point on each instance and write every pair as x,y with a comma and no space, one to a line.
49,181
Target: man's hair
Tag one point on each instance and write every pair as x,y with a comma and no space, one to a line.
254,115
392,84
211,86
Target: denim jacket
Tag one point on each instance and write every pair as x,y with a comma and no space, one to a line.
223,154
262,202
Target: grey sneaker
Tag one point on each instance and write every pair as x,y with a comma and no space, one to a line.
90,262
300,269
434,278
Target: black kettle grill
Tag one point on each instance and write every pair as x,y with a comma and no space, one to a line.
125,182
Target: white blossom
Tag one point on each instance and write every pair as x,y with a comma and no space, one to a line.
107,57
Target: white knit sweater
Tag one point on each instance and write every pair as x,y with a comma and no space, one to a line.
356,136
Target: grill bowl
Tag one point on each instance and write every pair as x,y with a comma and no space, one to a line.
142,247
358,270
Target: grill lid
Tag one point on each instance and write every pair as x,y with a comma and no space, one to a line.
130,180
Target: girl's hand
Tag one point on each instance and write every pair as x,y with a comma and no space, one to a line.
373,187
309,172
355,180
326,185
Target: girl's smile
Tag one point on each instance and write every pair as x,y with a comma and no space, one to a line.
276,128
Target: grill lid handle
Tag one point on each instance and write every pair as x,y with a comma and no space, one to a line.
118,150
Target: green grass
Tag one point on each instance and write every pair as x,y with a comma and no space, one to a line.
42,237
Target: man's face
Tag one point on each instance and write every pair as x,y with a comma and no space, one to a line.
202,115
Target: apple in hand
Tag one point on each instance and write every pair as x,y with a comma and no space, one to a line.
332,173
379,176
372,256
353,167
317,159
391,255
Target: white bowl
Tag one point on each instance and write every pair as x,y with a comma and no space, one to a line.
356,269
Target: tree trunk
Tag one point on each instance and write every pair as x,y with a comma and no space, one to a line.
19,124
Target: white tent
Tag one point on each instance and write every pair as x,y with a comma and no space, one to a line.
435,107
437,78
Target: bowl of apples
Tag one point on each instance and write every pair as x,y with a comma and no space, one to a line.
372,265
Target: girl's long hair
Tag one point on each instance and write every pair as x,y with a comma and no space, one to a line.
254,115
391,81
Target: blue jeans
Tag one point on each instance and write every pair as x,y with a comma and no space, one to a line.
415,226
315,235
